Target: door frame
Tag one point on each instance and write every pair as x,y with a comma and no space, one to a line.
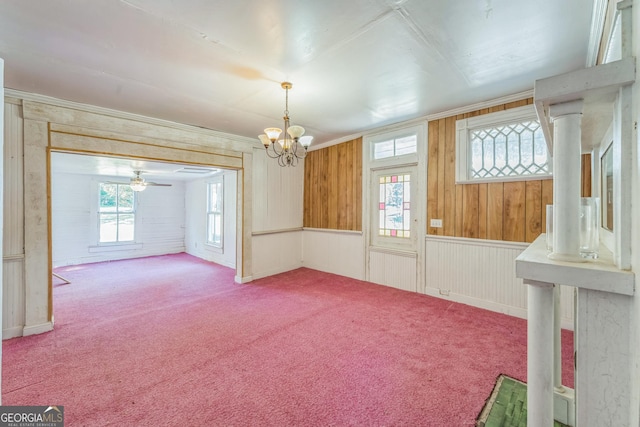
370,166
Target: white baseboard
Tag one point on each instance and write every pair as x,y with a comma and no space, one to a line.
14,332
489,305
37,329
245,279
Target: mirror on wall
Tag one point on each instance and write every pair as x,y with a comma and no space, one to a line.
606,189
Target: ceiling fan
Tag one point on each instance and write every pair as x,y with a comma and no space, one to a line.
138,183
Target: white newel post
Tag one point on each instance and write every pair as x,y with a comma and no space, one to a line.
540,353
557,342
567,121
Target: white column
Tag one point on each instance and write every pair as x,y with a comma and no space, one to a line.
567,120
540,354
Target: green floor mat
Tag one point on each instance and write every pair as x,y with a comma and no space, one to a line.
507,405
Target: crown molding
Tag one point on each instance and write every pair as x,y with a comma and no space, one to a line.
481,105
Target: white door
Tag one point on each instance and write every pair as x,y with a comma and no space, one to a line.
393,249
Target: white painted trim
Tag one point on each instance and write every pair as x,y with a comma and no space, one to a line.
115,247
503,244
282,230
598,18
17,257
481,105
331,230
37,329
391,251
14,332
488,305
27,96
243,280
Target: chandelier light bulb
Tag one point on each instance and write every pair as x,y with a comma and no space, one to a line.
273,133
265,140
295,131
305,141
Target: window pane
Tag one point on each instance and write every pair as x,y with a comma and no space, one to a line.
108,228
108,193
406,145
125,227
383,149
125,198
394,206
214,226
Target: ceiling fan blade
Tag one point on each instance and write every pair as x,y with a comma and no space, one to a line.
117,182
157,185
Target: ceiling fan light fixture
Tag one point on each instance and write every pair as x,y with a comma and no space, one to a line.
293,146
137,184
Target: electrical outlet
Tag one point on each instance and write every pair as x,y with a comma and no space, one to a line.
436,223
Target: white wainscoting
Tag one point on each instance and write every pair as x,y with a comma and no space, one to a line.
482,273
276,251
393,268
334,251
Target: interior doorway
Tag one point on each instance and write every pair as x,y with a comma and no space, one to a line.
106,208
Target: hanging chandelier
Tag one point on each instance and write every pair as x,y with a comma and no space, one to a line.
293,145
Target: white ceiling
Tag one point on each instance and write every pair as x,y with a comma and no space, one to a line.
125,168
355,65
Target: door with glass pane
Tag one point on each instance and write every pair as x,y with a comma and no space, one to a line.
393,222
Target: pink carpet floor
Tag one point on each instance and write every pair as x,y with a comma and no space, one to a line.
173,341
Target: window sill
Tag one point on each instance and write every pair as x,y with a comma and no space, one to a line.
505,179
213,248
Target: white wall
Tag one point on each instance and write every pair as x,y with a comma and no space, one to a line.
160,221
196,221
277,216
334,251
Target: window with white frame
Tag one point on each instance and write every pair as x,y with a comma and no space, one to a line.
503,146
116,213
215,212
395,146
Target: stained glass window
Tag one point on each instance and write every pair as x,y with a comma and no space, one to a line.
394,206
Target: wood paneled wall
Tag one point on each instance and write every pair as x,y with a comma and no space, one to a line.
333,187
513,211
